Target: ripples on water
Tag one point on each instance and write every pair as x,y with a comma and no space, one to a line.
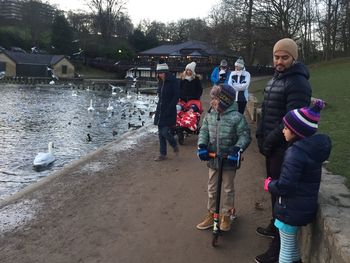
30,117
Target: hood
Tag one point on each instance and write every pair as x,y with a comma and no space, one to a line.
297,69
317,147
232,107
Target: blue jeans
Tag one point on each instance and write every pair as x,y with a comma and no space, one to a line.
165,135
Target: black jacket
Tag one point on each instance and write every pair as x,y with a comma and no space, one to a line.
299,183
168,96
191,90
284,92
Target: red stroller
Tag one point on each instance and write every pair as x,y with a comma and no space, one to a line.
188,118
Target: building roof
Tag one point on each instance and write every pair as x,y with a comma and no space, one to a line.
197,48
33,59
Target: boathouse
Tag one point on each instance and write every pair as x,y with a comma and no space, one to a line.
35,65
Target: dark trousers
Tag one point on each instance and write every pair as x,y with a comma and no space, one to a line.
241,106
273,170
165,135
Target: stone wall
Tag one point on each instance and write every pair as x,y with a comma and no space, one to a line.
327,239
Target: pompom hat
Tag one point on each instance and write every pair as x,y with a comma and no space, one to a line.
162,67
226,94
239,63
304,122
288,45
191,66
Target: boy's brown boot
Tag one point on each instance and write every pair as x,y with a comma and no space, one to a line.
207,222
225,223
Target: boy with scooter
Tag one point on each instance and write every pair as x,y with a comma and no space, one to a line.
225,133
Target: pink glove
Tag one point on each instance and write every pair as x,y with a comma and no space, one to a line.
266,184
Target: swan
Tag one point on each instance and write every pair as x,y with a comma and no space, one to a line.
44,159
110,107
90,107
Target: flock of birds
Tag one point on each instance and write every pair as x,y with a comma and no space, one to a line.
45,159
130,107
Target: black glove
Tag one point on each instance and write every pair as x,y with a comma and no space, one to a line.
202,152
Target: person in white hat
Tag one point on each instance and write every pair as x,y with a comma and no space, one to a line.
165,116
240,81
190,84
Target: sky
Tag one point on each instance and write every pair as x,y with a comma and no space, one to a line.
160,10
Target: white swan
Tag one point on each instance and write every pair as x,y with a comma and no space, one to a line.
44,159
90,107
110,107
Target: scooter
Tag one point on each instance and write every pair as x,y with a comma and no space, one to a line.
216,227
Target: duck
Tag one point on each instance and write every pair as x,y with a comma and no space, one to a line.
90,107
44,159
88,137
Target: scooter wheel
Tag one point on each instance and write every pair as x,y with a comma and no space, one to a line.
215,240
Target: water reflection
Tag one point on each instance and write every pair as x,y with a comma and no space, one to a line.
30,117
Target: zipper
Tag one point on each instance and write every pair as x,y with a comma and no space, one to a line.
160,101
218,132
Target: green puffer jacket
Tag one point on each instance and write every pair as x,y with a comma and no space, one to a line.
222,135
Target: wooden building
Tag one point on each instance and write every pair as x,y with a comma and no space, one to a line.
35,65
177,56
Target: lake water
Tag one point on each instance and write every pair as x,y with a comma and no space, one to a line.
31,117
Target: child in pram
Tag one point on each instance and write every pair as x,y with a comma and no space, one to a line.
188,115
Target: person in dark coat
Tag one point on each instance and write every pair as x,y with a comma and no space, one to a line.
190,84
299,183
220,74
288,89
165,116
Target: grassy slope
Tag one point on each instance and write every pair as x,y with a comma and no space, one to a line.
331,82
90,72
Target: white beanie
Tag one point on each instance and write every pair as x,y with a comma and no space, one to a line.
162,67
191,66
239,63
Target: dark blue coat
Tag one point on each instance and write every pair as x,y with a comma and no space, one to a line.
299,183
168,96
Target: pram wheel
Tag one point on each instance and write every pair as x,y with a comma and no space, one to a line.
180,136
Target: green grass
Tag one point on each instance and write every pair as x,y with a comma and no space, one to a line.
90,72
330,81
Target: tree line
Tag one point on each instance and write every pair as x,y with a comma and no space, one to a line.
247,28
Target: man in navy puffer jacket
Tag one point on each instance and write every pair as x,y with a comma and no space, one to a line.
288,89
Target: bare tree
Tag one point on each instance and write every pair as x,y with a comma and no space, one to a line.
105,13
345,27
284,16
